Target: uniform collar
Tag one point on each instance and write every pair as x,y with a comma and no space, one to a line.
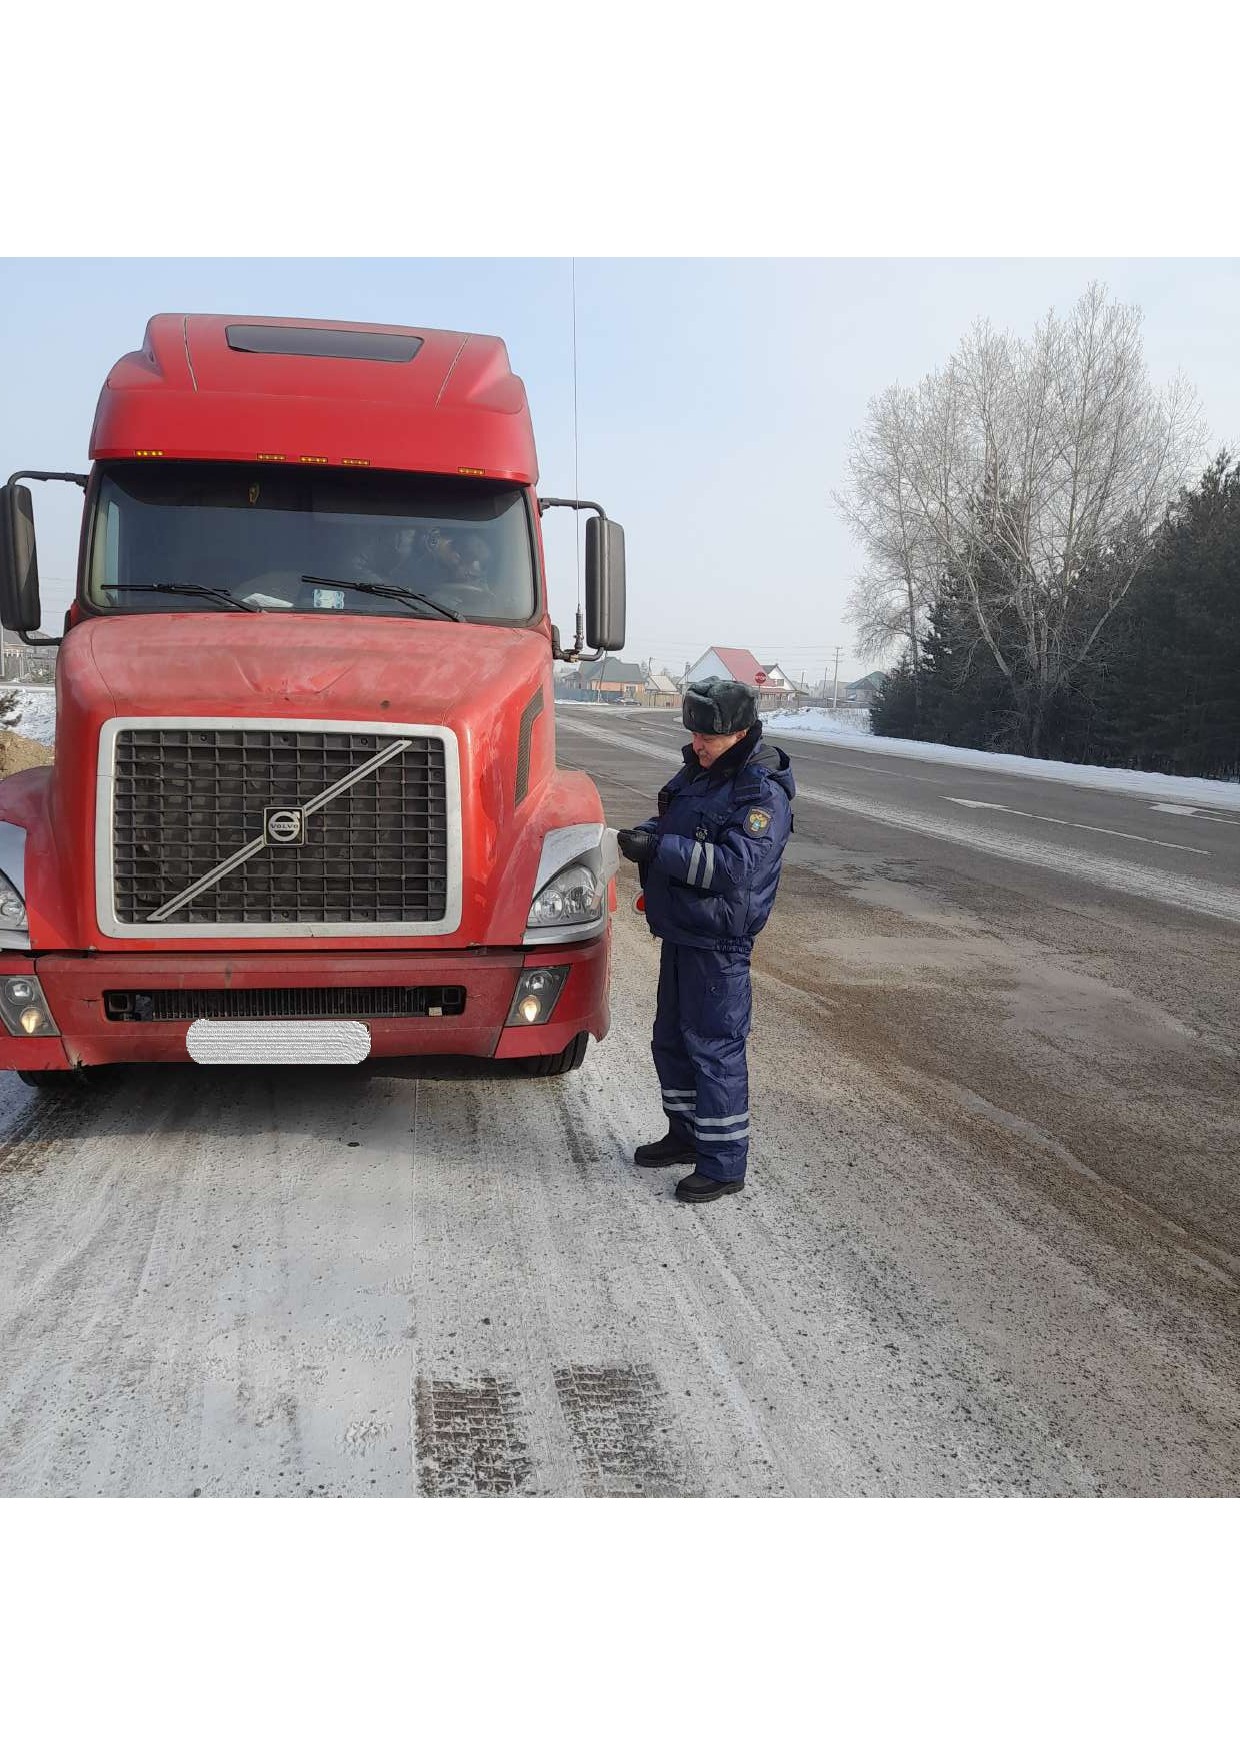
731,761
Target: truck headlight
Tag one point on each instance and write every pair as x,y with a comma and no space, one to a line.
537,992
12,907
574,897
24,1007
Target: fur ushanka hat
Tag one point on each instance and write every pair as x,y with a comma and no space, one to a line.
718,706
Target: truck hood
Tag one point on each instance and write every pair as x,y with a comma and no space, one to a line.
353,667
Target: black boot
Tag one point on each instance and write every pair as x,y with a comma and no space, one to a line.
697,1187
668,1150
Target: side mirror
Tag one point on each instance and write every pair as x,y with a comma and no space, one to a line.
19,562
604,585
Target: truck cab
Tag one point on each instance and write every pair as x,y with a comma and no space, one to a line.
305,803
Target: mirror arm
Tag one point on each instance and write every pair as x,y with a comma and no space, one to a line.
83,481
578,655
574,506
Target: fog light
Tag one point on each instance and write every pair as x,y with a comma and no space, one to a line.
24,1008
536,994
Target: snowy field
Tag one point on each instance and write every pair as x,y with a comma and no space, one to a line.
36,712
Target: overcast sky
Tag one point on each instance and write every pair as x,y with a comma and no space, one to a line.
715,398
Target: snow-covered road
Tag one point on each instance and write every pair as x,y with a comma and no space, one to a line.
990,1243
453,1281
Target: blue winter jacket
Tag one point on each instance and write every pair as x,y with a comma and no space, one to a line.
721,837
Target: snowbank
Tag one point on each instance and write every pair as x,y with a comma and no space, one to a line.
848,721
36,712
1223,794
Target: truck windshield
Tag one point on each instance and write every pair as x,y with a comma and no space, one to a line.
253,532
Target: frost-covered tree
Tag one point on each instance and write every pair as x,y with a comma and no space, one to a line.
1014,471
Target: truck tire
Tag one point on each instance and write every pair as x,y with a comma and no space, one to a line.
550,1066
74,1078
54,1079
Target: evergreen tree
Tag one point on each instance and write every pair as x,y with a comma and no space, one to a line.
894,712
1169,696
1159,687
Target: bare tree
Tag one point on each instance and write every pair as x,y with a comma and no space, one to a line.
880,507
1017,470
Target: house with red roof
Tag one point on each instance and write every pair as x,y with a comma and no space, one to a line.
741,666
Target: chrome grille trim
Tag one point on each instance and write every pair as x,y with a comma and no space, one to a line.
111,926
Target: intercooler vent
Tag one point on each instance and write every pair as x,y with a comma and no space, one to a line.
184,1005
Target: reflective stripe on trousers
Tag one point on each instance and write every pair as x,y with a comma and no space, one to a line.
700,1026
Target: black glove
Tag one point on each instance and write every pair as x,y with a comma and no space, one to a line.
637,844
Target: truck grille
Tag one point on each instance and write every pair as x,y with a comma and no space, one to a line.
189,798
183,1005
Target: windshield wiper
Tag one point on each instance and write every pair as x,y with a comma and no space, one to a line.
396,591
215,593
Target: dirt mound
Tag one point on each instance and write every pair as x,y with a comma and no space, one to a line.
18,753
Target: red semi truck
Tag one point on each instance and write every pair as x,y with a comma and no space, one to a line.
305,803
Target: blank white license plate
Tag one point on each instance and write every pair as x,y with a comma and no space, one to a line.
277,1042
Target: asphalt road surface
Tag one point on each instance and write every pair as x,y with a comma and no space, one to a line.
990,1244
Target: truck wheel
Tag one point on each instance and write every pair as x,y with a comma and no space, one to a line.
54,1079
550,1066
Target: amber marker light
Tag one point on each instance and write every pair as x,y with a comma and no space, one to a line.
148,453
463,469
270,456
312,460
356,462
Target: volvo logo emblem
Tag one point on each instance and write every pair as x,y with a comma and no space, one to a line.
287,827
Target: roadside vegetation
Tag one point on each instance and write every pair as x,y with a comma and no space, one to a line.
1033,549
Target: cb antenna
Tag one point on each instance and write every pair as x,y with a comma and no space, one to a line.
580,642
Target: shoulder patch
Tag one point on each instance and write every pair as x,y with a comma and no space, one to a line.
757,822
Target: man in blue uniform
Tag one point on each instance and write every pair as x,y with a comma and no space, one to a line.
709,864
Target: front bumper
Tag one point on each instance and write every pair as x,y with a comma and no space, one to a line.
75,986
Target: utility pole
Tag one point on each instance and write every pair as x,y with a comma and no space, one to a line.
835,687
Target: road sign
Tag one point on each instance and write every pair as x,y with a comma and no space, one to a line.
760,677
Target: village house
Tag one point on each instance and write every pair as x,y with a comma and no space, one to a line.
608,679
862,693
734,662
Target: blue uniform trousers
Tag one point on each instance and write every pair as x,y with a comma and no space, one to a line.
700,1026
